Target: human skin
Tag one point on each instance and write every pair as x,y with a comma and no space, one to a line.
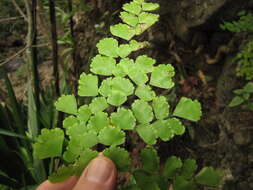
100,174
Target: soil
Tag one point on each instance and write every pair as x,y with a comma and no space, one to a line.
203,57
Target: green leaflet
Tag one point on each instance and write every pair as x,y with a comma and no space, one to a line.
76,130
129,18
188,109
189,168
145,63
137,75
147,133
137,45
78,143
87,139
142,111
119,156
102,65
237,100
171,166
132,7
98,104
163,130
63,173
124,50
166,129
73,150
98,121
111,136
180,183
70,121
123,31
88,85
85,157
67,104
139,1
149,6
176,126
145,181
116,98
122,69
108,47
119,71
116,89
123,85
140,28
123,119
248,88
120,84
150,160
148,18
208,176
145,92
49,143
161,107
84,113
162,76
105,88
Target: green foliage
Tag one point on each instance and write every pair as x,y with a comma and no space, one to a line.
85,157
245,62
108,47
243,97
245,57
147,133
102,65
67,104
98,104
126,84
123,119
145,92
188,109
162,76
49,144
64,172
150,160
208,176
161,107
98,121
138,108
181,175
171,166
88,85
119,156
111,136
245,23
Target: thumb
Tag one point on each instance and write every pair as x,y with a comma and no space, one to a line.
100,174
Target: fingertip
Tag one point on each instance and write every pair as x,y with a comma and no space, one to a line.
100,174
65,185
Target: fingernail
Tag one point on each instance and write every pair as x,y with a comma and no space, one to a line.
99,170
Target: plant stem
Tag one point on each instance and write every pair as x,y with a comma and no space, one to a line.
75,62
54,46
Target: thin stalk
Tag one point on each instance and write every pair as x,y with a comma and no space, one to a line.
19,9
33,81
54,39
38,170
76,65
54,46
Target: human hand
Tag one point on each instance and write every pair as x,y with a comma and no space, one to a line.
100,174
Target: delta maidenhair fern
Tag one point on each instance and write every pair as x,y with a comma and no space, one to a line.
149,114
